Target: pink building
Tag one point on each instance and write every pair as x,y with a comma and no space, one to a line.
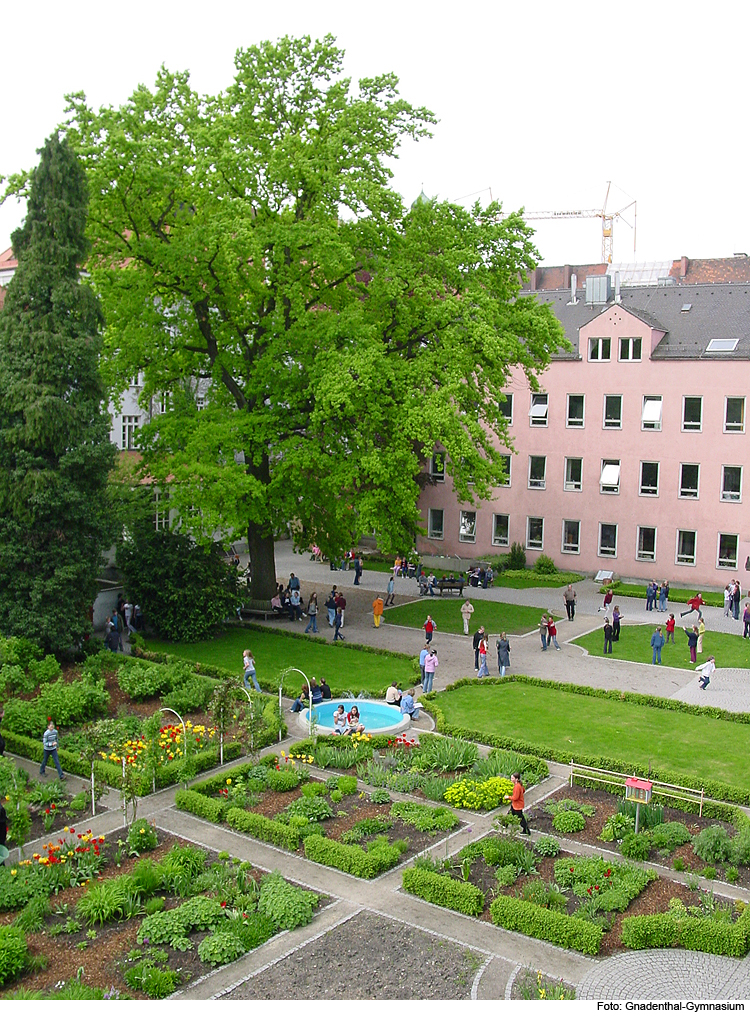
631,456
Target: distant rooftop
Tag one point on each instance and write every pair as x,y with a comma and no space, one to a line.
682,271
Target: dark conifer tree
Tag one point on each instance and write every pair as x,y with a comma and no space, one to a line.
55,453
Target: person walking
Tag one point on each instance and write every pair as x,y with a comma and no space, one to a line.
430,667
616,619
608,597
607,636
670,628
701,627
484,671
543,631
706,670
552,632
377,611
692,641
423,655
429,627
476,641
330,606
50,741
466,611
249,669
390,599
341,606
517,802
657,642
569,596
312,613
503,654
746,620
357,570
337,625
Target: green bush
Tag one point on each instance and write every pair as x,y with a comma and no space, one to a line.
650,814
312,808
312,789
546,846
739,846
669,835
517,557
423,818
285,779
444,891
221,948
544,565
13,681
506,874
703,934
498,850
194,694
636,847
380,796
263,828
712,845
202,806
286,905
616,827
142,836
352,859
141,681
366,827
157,982
108,900
569,821
518,915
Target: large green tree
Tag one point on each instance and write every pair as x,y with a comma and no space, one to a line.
250,242
55,453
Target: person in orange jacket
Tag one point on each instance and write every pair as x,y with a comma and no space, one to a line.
377,610
517,802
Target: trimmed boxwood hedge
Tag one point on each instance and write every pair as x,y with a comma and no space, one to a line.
659,931
201,806
529,919
444,891
352,859
263,828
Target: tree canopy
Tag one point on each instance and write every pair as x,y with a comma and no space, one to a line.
249,244
55,453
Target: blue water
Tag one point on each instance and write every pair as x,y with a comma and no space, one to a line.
372,715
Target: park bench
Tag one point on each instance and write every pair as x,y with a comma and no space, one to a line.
258,609
450,585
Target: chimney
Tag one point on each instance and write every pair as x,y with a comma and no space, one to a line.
573,286
566,276
683,267
534,278
618,298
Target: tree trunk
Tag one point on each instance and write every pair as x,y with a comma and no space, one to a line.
262,562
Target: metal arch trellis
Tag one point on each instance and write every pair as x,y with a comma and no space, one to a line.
284,673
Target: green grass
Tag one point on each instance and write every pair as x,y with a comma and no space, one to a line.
635,645
446,613
344,667
676,596
588,726
528,579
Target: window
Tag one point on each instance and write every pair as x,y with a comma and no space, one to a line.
609,480
505,406
573,474
722,345
162,403
734,416
129,429
613,412
727,555
537,472
575,411
434,524
630,349
505,464
607,540
651,414
689,477
571,538
500,529
692,413
467,529
599,349
649,478
437,467
200,402
646,544
161,510
685,547
534,533
731,483
539,406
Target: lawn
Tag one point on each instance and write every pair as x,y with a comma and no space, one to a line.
685,743
344,667
635,644
446,613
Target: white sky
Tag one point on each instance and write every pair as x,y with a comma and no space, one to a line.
543,102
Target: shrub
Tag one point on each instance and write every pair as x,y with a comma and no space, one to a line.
617,827
506,874
518,915
444,891
263,828
202,806
636,847
192,695
498,851
367,826
142,837
221,948
285,779
425,819
157,982
704,934
569,821
141,681
108,900
546,846
437,753
31,918
13,681
380,796
312,808
286,905
544,565
312,789
739,846
79,803
517,557
712,845
479,795
352,859
669,835
346,784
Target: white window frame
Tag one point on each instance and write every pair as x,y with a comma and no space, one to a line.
741,429
575,423
161,510
686,563
506,485
130,425
649,406
567,548
596,344
722,563
538,483
648,491
529,544
680,494
600,552
496,537
727,496
575,487
438,476
464,537
509,397
539,420
630,340
639,554
431,534
610,490
691,426
618,426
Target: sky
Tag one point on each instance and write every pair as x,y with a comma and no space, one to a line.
540,103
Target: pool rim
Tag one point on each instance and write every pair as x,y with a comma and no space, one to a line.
394,729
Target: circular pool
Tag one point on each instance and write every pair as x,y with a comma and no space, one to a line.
377,717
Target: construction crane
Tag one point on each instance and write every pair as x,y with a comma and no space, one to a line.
607,220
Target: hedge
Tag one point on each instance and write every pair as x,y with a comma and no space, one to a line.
560,929
718,790
352,859
444,891
263,828
202,806
659,931
676,596
216,782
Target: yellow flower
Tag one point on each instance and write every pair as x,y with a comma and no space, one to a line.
229,781
14,873
143,831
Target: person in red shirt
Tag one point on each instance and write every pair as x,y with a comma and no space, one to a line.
608,597
429,627
517,802
670,628
694,604
552,632
341,607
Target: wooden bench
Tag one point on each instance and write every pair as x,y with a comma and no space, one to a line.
258,609
450,586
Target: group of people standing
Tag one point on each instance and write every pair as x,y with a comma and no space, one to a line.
657,596
481,642
732,597
125,618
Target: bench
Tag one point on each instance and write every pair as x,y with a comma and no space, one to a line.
259,609
451,585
